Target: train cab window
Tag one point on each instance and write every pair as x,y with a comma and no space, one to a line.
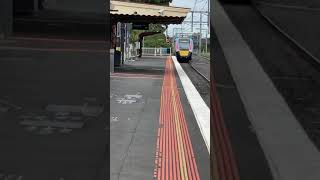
184,45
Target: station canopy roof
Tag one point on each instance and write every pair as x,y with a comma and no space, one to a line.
129,12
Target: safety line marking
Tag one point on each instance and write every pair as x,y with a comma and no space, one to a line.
134,77
174,153
200,109
137,74
225,162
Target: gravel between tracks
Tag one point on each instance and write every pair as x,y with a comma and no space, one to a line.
201,84
202,65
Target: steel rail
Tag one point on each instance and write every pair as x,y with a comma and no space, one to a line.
287,36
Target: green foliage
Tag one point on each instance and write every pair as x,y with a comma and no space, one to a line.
156,28
135,35
157,40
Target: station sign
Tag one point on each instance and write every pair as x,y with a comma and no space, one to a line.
138,26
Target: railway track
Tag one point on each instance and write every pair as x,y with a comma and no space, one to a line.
201,65
200,73
307,54
199,79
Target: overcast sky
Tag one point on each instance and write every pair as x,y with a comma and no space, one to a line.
200,5
184,3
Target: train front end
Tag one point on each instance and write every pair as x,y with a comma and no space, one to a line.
184,48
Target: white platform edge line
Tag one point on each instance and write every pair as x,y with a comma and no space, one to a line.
200,109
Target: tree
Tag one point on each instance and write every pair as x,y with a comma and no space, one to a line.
156,28
158,40
134,37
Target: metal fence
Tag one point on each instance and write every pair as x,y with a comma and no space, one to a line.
156,51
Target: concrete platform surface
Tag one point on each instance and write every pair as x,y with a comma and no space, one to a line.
52,112
154,133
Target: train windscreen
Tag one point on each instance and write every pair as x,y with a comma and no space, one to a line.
184,44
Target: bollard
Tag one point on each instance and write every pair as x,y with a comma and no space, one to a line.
111,61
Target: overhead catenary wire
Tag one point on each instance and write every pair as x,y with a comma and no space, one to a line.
192,21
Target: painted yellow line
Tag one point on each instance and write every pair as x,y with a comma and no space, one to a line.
178,129
173,137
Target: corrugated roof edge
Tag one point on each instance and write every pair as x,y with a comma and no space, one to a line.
157,5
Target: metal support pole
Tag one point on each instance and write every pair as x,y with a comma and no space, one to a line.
200,41
199,44
209,15
122,41
191,21
207,42
143,42
174,30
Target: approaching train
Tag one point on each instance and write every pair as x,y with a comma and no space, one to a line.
183,49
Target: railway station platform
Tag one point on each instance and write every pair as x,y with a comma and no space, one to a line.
154,132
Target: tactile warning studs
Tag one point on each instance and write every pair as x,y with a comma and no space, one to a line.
174,153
